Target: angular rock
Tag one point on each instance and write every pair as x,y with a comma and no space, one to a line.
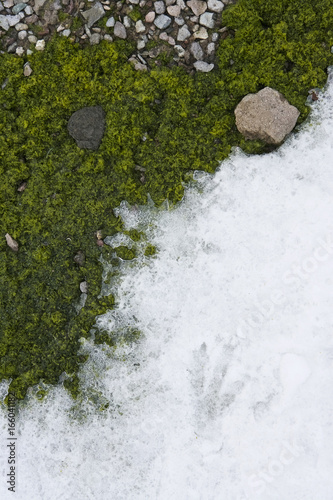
215,5
140,27
11,242
95,39
94,14
202,34
86,126
203,66
159,7
183,33
12,20
198,7
110,22
162,22
120,30
4,24
40,45
38,5
18,7
84,287
207,20
197,51
266,115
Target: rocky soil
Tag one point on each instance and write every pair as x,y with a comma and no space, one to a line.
172,32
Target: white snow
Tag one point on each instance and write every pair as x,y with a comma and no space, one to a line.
228,395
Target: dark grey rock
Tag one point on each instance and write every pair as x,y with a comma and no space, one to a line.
79,258
86,126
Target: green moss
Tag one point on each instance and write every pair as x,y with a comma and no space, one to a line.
135,14
150,250
125,253
168,122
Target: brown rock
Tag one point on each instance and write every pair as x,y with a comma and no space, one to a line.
197,6
266,115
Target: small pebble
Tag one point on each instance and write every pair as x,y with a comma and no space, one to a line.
11,242
40,45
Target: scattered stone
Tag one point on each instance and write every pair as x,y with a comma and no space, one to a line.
95,39
28,10
150,17
31,19
8,4
215,5
173,10
141,44
27,69
207,20
12,20
179,50
84,287
169,2
215,37
203,66
100,243
183,33
127,22
18,7
198,7
94,14
22,35
197,51
211,48
38,5
19,51
162,22
110,22
159,7
11,242
266,115
140,27
79,258
86,126
66,33
40,45
201,33
120,30
108,38
21,26
4,24
180,21
24,184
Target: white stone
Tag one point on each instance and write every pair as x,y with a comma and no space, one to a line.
215,37
108,38
201,33
12,20
66,33
110,22
183,33
198,7
180,21
127,22
215,5
197,51
95,39
32,38
180,50
162,22
203,66
141,44
38,5
211,48
174,10
29,52
19,51
10,241
119,30
22,35
207,20
159,7
171,41
134,2
27,69
169,2
181,4
4,24
40,45
150,17
28,10
21,26
8,4
140,27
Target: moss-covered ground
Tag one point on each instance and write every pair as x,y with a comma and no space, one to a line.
164,121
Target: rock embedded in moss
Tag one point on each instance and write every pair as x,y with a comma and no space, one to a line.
87,126
266,115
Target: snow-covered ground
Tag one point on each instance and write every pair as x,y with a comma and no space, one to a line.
228,395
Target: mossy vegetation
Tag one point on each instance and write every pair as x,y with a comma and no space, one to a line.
166,121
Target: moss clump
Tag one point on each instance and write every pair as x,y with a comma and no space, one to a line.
150,250
166,121
125,253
